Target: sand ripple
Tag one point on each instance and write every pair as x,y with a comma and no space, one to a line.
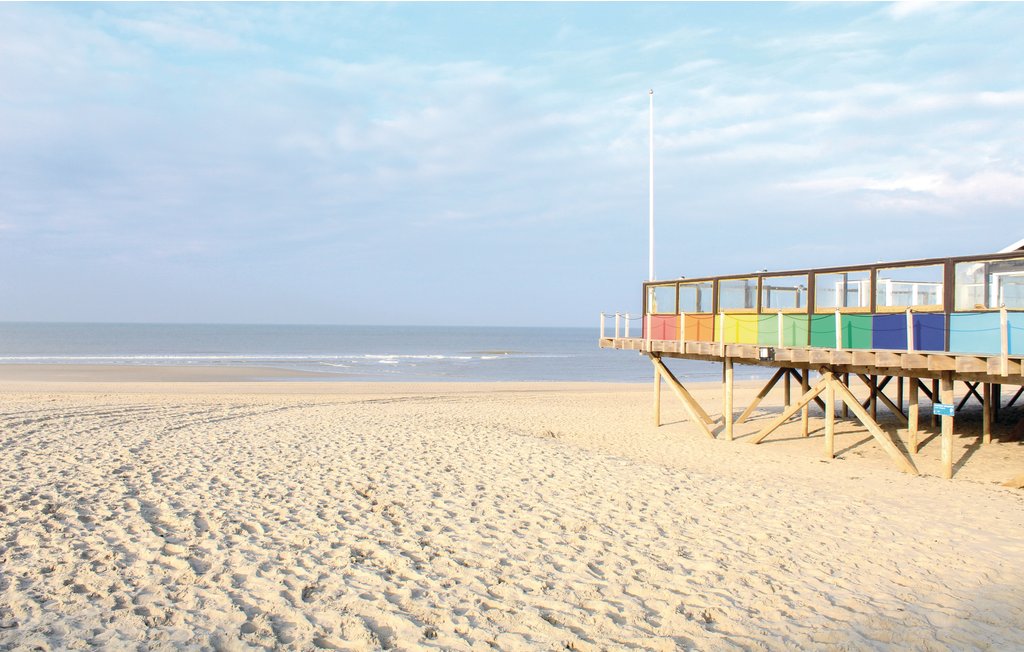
477,521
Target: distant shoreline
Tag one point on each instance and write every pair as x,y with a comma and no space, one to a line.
141,373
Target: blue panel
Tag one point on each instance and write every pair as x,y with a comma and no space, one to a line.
974,332
1016,323
929,332
890,331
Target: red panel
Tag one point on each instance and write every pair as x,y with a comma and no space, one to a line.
664,327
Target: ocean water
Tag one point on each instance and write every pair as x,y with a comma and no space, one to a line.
388,353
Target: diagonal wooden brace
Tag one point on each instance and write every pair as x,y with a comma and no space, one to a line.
693,409
760,395
808,396
800,379
885,399
847,397
972,388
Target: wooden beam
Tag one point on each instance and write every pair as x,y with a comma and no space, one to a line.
947,427
657,398
727,407
924,388
876,431
873,397
972,388
760,395
818,388
986,414
691,406
830,416
786,389
899,393
798,375
913,406
935,399
846,408
879,387
898,413
969,363
805,414
1015,397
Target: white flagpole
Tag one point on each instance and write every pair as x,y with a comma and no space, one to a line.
650,135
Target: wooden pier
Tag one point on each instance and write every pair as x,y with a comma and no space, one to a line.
956,320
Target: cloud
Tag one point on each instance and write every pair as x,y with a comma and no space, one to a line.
182,35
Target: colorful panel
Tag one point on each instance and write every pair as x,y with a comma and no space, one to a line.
930,332
889,331
1015,321
768,330
823,330
857,330
979,332
664,327
741,329
699,328
974,332
794,330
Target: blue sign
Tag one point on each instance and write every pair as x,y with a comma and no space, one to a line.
943,409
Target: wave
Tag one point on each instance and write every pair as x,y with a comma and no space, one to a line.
228,357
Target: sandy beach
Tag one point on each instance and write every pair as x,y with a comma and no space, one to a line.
513,516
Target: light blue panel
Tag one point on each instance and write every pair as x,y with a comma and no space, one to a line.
1016,322
974,332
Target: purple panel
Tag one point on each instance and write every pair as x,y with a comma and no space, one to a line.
929,332
890,332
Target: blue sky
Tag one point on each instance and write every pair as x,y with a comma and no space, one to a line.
485,163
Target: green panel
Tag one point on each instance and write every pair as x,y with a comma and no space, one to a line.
857,331
768,330
823,331
794,330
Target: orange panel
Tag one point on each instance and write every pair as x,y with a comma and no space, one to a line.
699,328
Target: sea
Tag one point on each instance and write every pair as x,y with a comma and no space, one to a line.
345,353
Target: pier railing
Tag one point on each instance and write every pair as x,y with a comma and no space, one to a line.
964,305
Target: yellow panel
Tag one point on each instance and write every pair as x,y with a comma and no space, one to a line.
741,328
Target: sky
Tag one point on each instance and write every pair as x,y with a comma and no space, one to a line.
486,164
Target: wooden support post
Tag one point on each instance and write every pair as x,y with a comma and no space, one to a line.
846,408
986,413
805,415
935,399
786,390
876,431
885,399
879,389
760,395
912,414
693,409
830,417
657,398
910,330
997,401
873,397
947,426
727,408
781,339
899,393
790,411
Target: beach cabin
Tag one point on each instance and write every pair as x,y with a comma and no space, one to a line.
928,322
